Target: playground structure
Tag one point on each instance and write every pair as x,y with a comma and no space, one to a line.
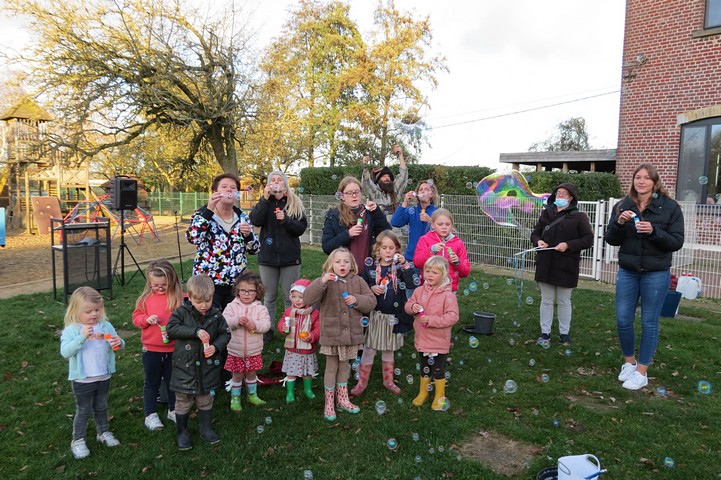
138,222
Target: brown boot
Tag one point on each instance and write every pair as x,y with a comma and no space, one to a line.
364,373
388,378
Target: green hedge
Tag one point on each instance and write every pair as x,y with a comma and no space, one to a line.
455,180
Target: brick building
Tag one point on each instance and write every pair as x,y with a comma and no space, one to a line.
671,95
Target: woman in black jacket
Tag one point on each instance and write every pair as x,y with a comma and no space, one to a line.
352,224
567,231
280,215
649,227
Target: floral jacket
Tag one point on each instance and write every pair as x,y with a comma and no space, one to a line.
221,256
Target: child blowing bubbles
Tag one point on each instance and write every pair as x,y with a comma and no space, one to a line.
436,310
163,294
200,334
301,326
344,298
89,341
248,320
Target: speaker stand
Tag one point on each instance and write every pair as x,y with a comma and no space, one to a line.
120,257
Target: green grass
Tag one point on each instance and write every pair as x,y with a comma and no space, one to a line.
595,414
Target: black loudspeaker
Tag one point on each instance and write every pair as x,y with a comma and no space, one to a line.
124,193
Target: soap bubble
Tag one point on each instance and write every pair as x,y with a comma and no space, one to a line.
568,352
339,196
485,286
461,363
416,280
300,190
704,387
703,180
529,300
392,443
260,428
431,450
556,423
466,292
661,391
534,411
509,281
400,401
469,184
431,360
473,342
268,420
369,262
269,241
430,182
380,407
397,371
545,378
510,387
402,285
212,393
426,370
413,355
669,462
473,286
430,387
489,360
415,436
356,376
409,379
516,324
531,362
334,177
448,375
307,475
441,449
418,459
364,321
546,344
511,342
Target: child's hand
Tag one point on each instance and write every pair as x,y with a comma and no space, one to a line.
350,300
304,336
453,258
203,335
378,289
152,320
250,325
86,331
423,320
243,321
416,307
401,259
438,247
209,351
114,341
328,277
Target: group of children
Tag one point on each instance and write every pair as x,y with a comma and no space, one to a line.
182,341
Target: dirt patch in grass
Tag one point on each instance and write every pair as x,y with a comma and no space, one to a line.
500,453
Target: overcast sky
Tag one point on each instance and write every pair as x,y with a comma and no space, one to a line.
504,57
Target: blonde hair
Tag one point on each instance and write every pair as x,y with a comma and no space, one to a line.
78,299
328,265
200,287
294,205
161,268
442,212
379,239
434,196
347,217
252,278
439,264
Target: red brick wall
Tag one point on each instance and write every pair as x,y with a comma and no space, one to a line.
681,73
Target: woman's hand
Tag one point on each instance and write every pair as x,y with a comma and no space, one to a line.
279,214
355,230
267,192
424,216
213,200
542,244
371,206
561,247
626,215
644,227
409,196
378,289
244,228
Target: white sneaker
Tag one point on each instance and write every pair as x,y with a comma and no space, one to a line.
153,422
108,439
79,448
171,416
635,381
626,371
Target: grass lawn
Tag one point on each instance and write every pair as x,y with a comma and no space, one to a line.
630,432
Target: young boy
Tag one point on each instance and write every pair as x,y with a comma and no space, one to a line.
200,334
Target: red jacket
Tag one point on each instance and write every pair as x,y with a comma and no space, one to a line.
292,342
150,335
423,253
440,307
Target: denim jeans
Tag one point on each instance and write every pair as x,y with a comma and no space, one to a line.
157,366
651,288
90,398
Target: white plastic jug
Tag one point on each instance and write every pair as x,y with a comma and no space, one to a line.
578,467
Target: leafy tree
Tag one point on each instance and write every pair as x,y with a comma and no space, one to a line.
570,135
118,70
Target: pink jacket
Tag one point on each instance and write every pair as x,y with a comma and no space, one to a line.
441,309
150,335
423,253
243,343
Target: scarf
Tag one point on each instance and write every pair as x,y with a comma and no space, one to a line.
299,317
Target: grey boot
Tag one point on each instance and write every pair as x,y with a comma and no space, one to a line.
184,442
206,431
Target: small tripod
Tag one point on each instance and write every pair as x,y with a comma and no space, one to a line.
120,257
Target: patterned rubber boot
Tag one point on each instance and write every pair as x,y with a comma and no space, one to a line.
290,391
308,388
253,394
388,378
423,392
439,394
364,373
235,399
343,400
329,409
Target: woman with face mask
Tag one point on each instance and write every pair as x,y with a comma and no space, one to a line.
564,231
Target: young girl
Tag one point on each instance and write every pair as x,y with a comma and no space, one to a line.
436,310
248,320
89,342
163,294
300,325
441,241
389,321
344,299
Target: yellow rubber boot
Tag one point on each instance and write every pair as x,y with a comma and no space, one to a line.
423,393
440,388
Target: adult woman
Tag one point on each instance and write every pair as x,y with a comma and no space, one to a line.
562,227
223,236
648,226
352,224
417,218
279,214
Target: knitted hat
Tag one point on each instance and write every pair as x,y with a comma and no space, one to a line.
299,285
378,172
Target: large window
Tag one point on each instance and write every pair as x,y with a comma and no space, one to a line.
713,14
699,166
